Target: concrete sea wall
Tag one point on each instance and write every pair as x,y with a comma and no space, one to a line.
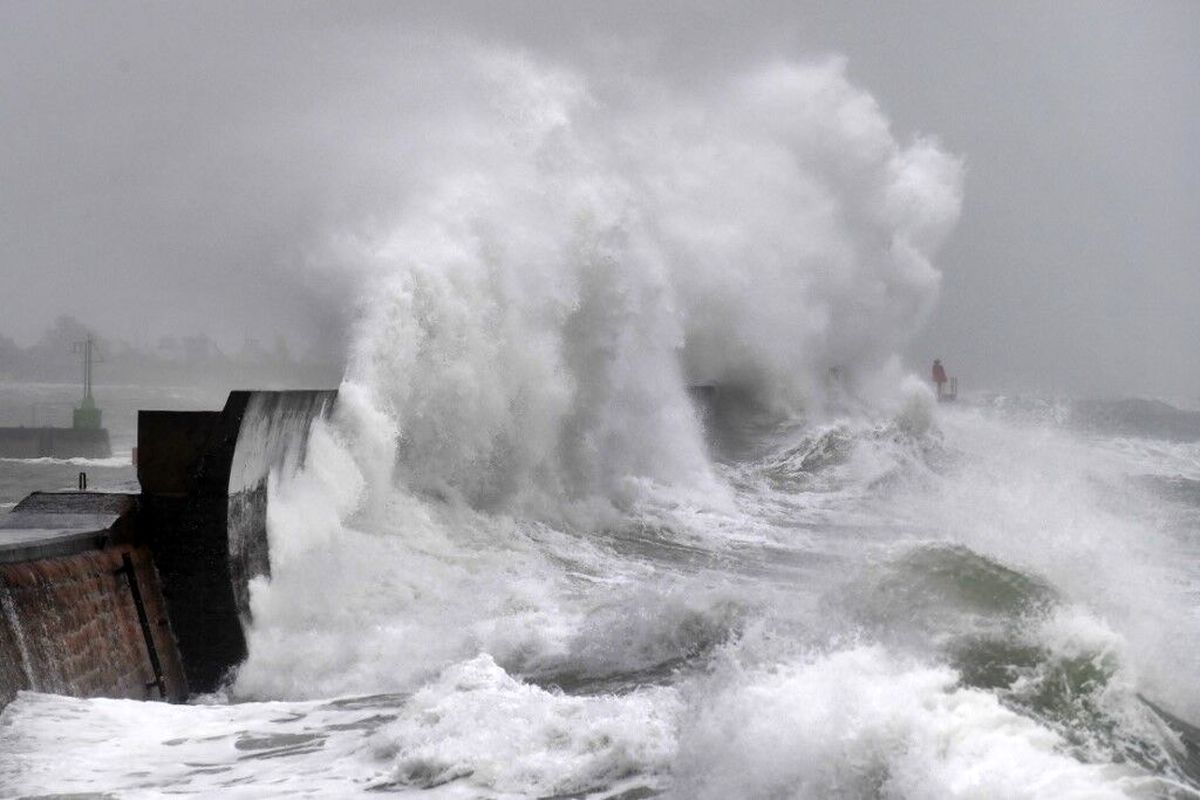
80,608
146,596
69,626
54,443
204,483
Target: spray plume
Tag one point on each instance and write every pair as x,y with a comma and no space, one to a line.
575,257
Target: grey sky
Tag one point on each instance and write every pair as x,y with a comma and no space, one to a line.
171,168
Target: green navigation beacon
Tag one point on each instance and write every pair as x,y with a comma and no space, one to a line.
87,416
84,439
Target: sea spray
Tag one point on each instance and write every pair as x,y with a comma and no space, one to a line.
519,562
530,326
528,331
1044,501
517,456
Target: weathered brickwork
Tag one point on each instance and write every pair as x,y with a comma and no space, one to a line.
70,625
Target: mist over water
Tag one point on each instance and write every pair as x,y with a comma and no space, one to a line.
522,560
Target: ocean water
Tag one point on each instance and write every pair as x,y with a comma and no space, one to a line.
968,605
521,560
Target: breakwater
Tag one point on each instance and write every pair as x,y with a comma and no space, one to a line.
49,442
80,608
145,595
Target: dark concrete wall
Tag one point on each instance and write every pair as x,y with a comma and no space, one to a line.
170,443
54,443
206,519
20,442
188,540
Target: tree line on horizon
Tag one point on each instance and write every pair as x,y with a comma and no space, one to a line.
55,357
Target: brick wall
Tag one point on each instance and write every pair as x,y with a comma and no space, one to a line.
69,625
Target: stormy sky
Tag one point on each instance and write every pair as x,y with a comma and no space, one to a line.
171,168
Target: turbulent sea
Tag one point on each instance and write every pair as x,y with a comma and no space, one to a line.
994,599
521,561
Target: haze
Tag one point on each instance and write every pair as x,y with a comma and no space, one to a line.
169,169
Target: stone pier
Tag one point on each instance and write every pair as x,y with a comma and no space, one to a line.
146,596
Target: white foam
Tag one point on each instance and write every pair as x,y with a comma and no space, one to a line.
853,722
1154,456
864,723
478,724
113,462
518,375
530,325
51,744
1052,504
474,731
